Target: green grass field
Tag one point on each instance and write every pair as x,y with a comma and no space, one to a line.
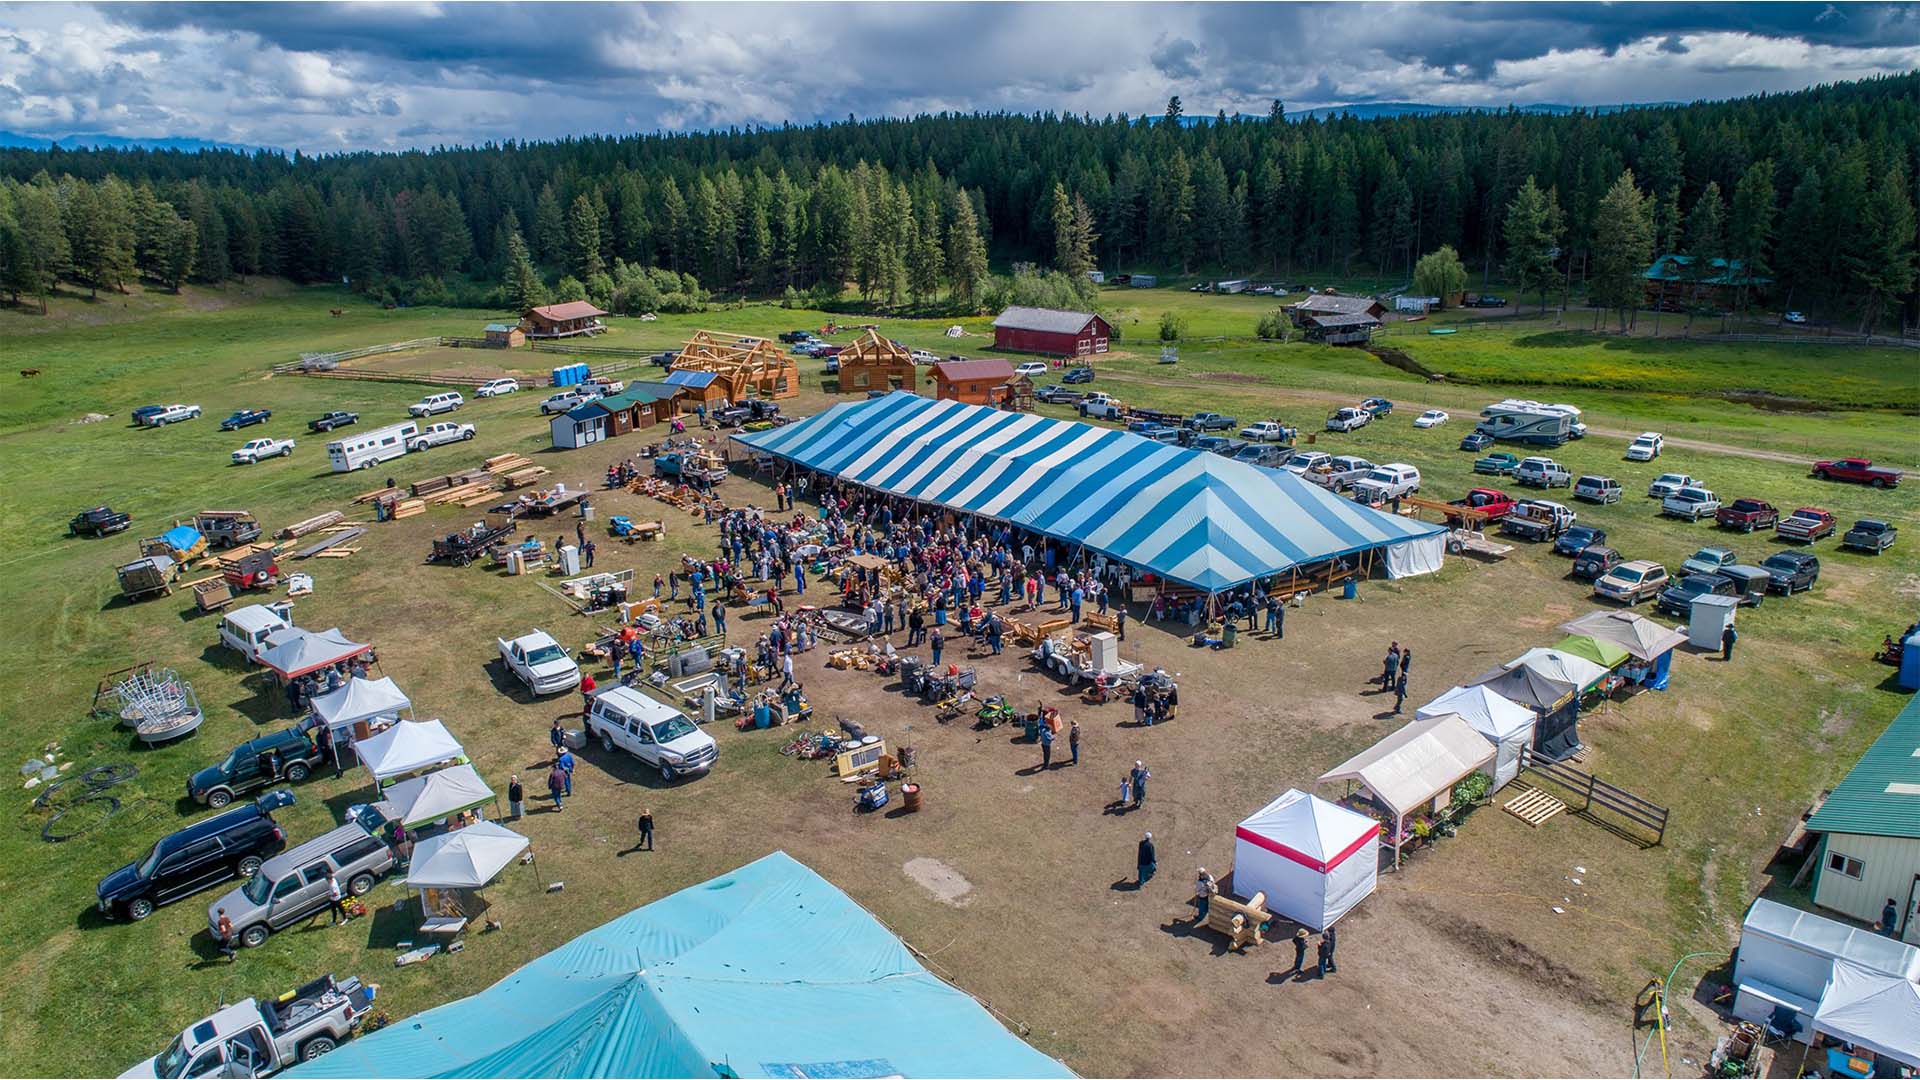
1736,752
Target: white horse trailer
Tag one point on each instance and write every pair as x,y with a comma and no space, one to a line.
370,448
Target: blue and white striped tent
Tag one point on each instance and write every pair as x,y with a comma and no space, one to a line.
1191,517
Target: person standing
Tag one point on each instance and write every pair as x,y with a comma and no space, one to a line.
1046,745
1299,952
516,797
1073,741
1889,918
720,619
337,898
935,644
586,698
646,830
1139,776
1279,619
1325,953
1333,945
786,668
223,936
1204,889
1390,667
1148,862
565,762
994,636
557,786
1406,661
1399,692
586,553
557,735
1727,638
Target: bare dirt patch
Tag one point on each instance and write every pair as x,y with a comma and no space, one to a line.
943,881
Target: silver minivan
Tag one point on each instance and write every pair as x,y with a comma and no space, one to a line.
292,885
1597,489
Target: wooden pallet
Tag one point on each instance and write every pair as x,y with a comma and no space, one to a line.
1533,806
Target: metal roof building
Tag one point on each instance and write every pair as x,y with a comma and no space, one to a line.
1870,832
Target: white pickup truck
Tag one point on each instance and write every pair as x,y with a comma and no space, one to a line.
657,734
434,434
540,662
1339,473
1691,504
1348,419
173,414
567,400
1266,431
258,449
1098,406
252,1038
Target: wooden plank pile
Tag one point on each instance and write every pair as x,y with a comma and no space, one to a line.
311,525
501,464
333,541
433,484
407,508
526,477
369,496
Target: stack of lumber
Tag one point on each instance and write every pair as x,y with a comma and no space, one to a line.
525,476
465,494
333,541
406,508
369,496
312,524
501,464
434,484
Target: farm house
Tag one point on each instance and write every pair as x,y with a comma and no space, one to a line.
875,363
1051,332
563,320
1329,304
973,382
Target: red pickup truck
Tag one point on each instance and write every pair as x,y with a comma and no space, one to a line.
1857,471
1747,515
1807,524
1488,501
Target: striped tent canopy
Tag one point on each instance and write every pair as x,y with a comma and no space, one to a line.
1192,517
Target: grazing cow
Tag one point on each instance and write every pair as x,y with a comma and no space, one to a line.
28,373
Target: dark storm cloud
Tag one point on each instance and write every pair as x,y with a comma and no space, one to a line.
327,76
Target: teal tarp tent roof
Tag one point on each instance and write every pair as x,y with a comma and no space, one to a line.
1192,517
768,971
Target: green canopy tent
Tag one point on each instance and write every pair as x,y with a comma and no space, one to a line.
1605,653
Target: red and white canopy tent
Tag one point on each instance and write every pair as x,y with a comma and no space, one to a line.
294,652
1314,860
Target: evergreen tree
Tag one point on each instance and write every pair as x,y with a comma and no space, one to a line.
583,238
178,249
523,286
549,228
1622,249
1750,225
1530,241
926,262
1170,212
966,254
1884,263
1174,111
670,236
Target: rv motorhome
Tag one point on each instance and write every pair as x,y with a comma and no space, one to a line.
366,449
1531,422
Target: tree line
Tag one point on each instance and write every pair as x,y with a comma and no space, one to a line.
1813,189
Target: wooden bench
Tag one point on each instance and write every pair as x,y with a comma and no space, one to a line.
1105,622
1239,921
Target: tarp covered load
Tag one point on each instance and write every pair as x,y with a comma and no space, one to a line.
408,747
768,971
294,652
1506,724
360,699
438,794
1314,859
184,543
465,858
1192,517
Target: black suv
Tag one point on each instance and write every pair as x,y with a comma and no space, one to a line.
1792,571
284,755
224,846
1677,598
99,521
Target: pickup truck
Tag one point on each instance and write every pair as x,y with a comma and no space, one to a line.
1747,515
1690,504
1348,419
257,449
1807,524
172,414
1265,455
1498,463
329,421
1668,483
1098,406
1211,421
795,337
1708,560
540,662
1306,462
251,1038
1868,534
1537,519
694,468
569,399
1493,503
1339,473
99,521
1384,483
1855,470
659,735
434,434
1268,431
1055,394
1542,472
1377,407
245,418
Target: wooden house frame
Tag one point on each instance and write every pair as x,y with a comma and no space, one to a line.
751,367
875,363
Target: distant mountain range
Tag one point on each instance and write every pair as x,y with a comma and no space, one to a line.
1372,110
97,141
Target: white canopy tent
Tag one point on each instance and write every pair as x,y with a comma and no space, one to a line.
294,652
408,747
465,858
438,794
360,699
1643,638
1506,724
1872,1010
1314,860
1416,766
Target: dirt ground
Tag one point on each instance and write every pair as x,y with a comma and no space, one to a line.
1111,978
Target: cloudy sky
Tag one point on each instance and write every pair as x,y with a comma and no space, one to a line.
389,75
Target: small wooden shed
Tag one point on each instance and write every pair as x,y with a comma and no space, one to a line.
973,382
505,336
875,363
702,388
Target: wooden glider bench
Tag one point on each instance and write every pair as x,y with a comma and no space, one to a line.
1033,633
1238,921
1105,622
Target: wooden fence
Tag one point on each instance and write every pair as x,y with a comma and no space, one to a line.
1599,794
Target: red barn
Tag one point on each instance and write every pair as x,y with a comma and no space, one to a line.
1050,332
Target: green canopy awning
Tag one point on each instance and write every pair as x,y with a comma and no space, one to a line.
1605,653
